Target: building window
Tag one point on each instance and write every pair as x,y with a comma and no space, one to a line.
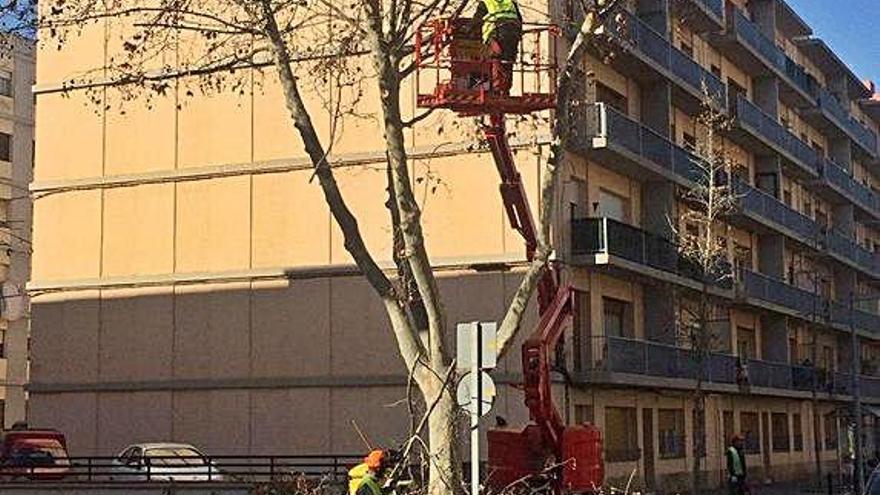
621,434
5,147
613,98
671,433
687,49
830,421
5,85
798,430
746,343
727,423
613,206
751,432
779,428
583,414
716,71
786,197
617,316
690,141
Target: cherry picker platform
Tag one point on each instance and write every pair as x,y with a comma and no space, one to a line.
453,64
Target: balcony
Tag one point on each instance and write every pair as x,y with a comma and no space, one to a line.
780,295
864,320
771,134
850,252
702,15
606,236
654,57
628,147
748,47
830,106
663,361
767,210
844,184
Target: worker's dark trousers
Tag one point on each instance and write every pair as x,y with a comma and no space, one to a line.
503,48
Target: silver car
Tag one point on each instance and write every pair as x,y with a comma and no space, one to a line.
163,462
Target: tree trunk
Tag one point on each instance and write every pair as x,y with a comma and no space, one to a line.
699,416
445,468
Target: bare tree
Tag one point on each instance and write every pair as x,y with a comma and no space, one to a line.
289,40
702,235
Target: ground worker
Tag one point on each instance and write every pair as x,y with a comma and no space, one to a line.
367,477
501,28
736,466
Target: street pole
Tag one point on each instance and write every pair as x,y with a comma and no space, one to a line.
858,475
476,409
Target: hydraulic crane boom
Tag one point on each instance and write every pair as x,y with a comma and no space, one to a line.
454,51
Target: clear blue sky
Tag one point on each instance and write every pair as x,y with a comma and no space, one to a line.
850,27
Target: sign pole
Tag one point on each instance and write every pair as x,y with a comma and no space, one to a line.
476,407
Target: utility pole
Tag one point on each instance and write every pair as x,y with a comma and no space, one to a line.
858,473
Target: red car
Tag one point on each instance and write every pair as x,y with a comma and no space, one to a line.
33,455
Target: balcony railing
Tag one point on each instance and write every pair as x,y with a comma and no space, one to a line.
648,358
658,48
764,288
770,129
860,193
749,32
851,250
865,320
832,107
764,205
714,6
608,236
604,121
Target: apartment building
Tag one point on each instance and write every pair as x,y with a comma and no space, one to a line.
189,284
16,163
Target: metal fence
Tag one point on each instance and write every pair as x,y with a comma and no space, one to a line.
329,469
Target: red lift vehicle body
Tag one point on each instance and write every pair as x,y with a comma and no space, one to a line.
570,457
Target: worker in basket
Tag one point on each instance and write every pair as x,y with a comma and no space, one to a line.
500,24
368,477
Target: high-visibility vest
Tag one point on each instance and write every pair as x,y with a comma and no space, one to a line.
736,461
360,475
497,11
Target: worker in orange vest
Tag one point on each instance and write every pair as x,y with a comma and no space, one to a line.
367,477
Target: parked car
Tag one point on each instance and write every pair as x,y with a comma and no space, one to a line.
872,485
163,462
33,455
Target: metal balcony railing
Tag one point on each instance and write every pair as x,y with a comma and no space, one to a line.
648,358
602,120
608,236
851,250
770,129
658,48
714,6
832,107
860,193
757,202
865,320
764,288
747,30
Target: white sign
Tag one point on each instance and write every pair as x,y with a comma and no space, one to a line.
480,336
468,398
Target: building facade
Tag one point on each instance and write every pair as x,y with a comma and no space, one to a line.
189,284
16,160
